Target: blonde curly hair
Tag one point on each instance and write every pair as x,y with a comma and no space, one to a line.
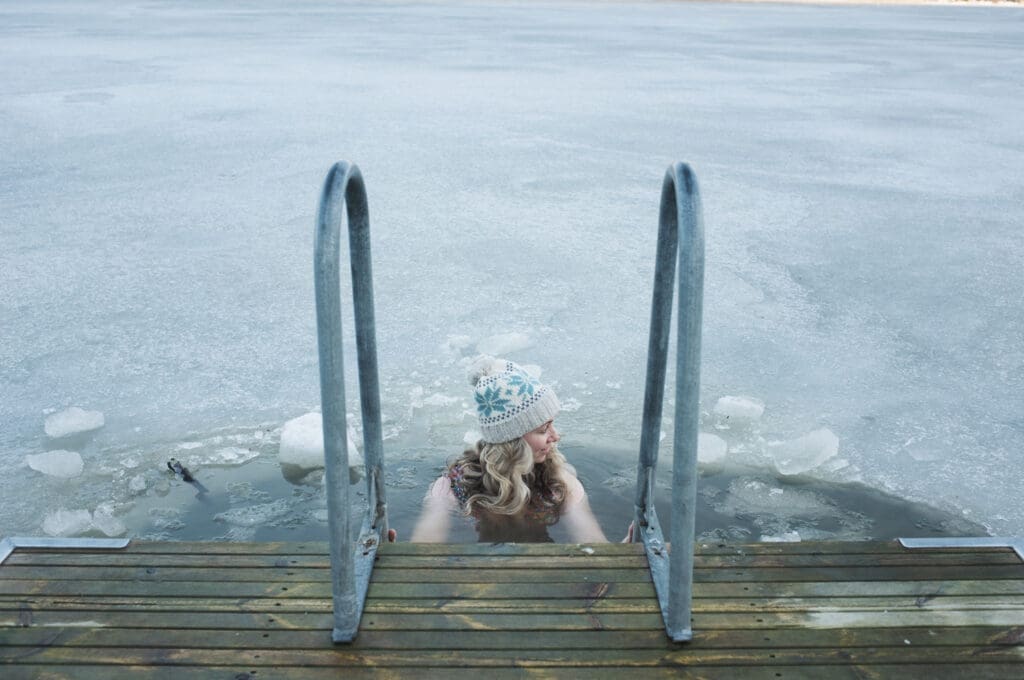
503,479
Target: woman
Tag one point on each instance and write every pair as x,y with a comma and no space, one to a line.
514,483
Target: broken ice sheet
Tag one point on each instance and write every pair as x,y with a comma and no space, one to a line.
229,455
58,463
73,420
711,448
505,343
740,410
302,443
255,515
796,456
65,523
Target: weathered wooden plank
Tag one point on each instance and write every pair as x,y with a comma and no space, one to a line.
866,573
859,560
761,575
22,558
523,658
240,672
14,610
972,637
207,589
923,588
713,605
578,559
320,548
202,573
1007,589
383,590
479,620
700,548
269,605
708,561
116,573
186,640
404,547
507,575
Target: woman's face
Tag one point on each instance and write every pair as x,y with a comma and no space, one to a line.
541,440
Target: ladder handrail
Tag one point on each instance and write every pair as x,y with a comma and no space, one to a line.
351,563
680,205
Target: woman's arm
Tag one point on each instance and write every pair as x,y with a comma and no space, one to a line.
436,517
577,515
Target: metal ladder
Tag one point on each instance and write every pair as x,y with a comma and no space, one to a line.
351,564
680,236
351,568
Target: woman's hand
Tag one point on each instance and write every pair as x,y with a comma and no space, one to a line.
629,534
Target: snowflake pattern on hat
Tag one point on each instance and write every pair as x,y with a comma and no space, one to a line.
490,401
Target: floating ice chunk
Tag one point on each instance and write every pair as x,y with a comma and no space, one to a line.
67,522
302,443
735,410
229,455
137,484
454,344
255,515
711,448
752,496
785,537
167,519
107,524
804,453
72,421
471,437
57,463
500,345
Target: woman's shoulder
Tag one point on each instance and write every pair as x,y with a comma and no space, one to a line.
574,492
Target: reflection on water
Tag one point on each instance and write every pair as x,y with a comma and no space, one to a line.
258,500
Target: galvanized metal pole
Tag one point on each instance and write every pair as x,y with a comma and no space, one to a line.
351,563
687,413
673,574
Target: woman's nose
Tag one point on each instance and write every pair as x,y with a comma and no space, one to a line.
554,434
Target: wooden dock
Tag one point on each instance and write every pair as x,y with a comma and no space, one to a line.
263,610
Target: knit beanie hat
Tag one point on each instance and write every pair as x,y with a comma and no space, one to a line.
509,401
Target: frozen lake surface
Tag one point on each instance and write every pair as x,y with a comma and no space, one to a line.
862,170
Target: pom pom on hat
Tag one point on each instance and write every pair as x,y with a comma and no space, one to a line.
482,366
509,401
